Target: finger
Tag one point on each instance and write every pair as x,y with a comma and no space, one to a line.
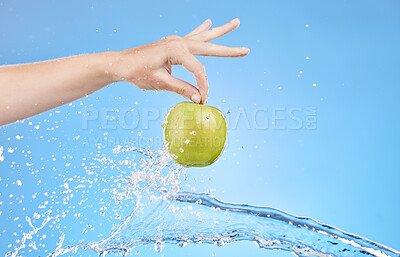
181,87
207,49
203,27
214,33
190,63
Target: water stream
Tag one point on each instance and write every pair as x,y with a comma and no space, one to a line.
163,213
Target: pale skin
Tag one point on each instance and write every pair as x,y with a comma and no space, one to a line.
30,89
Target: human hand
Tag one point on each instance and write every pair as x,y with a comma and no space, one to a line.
149,67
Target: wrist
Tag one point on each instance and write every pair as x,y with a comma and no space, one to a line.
107,66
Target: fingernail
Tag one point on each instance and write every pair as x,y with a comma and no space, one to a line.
235,20
196,98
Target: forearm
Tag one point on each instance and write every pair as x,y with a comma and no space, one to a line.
30,89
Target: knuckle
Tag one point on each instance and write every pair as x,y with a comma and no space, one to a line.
181,90
200,69
173,37
203,68
175,43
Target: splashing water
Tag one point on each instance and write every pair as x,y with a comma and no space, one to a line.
164,214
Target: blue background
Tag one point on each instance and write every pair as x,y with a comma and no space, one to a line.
343,171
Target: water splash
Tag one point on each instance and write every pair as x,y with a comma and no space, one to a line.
1,154
34,230
165,214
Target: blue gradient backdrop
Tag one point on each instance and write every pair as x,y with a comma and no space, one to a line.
339,165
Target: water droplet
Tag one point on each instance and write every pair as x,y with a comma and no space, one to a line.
158,246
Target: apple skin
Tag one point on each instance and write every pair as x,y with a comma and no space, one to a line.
195,134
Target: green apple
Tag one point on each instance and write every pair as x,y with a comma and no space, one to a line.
195,134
